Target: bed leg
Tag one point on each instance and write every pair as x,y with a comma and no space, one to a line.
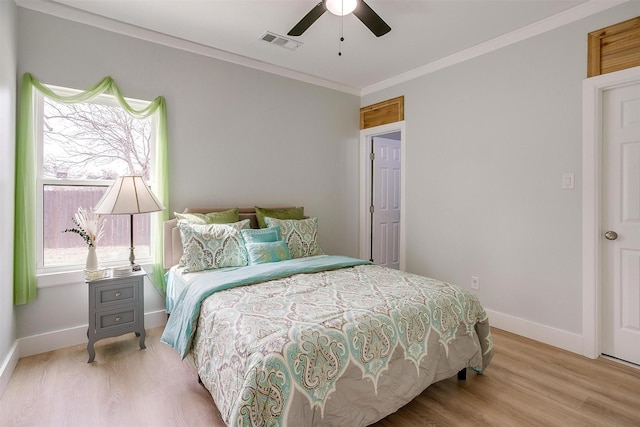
462,374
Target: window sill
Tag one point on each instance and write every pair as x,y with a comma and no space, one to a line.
64,278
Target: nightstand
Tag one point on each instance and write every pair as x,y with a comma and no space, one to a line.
116,307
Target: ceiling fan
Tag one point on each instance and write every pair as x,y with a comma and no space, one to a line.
343,7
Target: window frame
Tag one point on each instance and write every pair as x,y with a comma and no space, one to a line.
55,275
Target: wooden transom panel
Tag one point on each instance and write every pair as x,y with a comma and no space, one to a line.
614,48
382,113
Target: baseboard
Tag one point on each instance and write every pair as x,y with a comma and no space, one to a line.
55,340
8,366
546,334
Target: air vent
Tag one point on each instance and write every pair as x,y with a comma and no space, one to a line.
280,41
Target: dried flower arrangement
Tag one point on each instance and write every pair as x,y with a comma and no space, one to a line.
89,226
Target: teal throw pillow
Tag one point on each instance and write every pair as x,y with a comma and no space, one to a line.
260,253
262,235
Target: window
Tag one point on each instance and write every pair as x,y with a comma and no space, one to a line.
81,148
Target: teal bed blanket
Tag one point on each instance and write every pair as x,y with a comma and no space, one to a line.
180,328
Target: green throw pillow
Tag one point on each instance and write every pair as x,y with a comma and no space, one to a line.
286,213
224,217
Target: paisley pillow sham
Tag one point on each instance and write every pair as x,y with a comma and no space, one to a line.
211,246
301,235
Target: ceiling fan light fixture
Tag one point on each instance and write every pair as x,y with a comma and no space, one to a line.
341,7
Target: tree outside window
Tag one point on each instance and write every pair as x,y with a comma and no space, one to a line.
85,146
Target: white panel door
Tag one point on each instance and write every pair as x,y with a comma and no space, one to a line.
386,202
621,215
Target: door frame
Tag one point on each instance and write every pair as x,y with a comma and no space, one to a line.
366,136
592,145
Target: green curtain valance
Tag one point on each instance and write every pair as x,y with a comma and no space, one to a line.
25,280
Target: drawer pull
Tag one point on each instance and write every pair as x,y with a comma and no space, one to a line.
117,319
118,294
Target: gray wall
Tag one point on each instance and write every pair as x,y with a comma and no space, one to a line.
8,55
487,143
237,137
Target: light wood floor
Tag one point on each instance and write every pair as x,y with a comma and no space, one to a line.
527,384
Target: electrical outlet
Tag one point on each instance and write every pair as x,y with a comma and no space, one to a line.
475,283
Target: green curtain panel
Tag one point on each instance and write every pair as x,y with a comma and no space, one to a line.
25,280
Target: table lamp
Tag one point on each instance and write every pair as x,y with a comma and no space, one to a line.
128,195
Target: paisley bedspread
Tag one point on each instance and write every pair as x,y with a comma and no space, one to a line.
341,347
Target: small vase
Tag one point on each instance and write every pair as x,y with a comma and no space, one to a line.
92,259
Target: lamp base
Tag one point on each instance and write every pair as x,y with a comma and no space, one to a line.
135,267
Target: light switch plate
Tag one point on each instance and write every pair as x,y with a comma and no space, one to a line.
568,181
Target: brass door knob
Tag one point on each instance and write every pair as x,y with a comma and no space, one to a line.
611,235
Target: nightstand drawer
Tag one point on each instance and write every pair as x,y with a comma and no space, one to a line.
116,307
117,319
121,293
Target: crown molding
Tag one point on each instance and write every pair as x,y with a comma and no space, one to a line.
551,23
50,7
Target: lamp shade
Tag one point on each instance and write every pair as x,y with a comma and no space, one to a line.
128,195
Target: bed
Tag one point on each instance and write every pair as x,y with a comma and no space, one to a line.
305,338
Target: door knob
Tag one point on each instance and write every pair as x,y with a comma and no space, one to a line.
611,235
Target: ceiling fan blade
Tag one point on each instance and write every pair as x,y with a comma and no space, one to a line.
308,19
371,19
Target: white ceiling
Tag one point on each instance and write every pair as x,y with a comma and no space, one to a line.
423,32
